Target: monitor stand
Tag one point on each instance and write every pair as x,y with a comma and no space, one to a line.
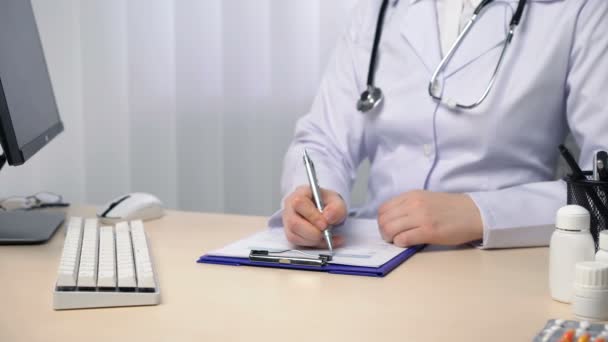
28,227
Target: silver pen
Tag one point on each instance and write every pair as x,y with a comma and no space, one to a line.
316,196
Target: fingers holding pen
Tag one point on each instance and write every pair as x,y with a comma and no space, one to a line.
304,223
304,207
303,233
302,220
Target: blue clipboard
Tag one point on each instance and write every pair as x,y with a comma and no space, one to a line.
329,268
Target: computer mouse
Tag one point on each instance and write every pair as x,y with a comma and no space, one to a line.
134,206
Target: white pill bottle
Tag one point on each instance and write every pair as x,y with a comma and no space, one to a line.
602,253
590,300
571,242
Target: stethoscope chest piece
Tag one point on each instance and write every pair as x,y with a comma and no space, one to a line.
370,99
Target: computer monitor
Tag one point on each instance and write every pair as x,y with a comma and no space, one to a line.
29,118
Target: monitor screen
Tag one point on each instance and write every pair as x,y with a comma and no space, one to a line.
29,118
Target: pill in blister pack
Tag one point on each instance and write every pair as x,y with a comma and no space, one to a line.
559,330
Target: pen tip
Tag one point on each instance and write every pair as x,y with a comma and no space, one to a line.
330,244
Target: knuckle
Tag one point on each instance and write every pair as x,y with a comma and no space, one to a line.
400,240
381,209
302,190
287,201
291,237
307,231
388,231
433,232
415,197
417,203
290,201
381,222
382,228
317,235
296,201
425,221
334,210
428,223
290,222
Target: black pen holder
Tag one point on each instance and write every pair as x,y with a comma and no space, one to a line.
593,196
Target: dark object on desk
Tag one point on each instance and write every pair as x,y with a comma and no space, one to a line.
593,196
25,227
51,205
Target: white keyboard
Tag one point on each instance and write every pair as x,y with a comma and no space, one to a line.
105,266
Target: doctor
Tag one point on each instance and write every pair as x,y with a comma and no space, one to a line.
456,156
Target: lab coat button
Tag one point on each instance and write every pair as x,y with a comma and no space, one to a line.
428,150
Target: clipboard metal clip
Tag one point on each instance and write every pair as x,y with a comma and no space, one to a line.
275,258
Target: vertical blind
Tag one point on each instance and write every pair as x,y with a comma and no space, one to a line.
192,100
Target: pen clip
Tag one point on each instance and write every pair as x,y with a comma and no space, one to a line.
312,180
273,258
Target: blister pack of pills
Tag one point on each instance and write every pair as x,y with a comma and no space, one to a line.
559,330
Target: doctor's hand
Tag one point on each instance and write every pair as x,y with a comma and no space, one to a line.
420,217
304,224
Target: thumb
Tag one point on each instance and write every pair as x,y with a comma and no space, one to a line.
335,211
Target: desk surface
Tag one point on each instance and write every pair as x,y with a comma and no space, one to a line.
437,295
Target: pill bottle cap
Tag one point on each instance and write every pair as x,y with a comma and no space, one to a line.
573,217
591,275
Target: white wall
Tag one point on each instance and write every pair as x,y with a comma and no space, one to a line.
191,100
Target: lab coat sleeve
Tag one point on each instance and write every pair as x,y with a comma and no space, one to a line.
525,215
332,131
519,216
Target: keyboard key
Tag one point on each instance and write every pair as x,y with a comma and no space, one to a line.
143,264
124,256
87,274
106,276
68,265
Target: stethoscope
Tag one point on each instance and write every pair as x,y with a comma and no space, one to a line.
373,96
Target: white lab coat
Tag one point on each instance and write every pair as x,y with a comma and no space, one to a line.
502,153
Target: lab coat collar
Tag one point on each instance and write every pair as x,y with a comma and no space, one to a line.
487,34
422,33
420,28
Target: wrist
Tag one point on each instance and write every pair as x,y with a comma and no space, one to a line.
474,221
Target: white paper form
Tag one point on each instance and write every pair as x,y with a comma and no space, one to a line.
363,245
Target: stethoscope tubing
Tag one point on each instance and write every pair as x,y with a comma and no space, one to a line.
377,35
372,101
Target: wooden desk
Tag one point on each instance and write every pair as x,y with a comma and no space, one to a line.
441,295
